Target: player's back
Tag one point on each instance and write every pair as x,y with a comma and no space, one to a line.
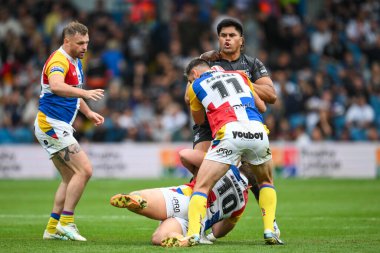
227,198
227,97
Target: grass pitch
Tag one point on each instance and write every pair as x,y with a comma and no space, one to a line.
314,215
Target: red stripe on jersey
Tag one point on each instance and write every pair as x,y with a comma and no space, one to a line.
191,184
211,198
71,77
220,116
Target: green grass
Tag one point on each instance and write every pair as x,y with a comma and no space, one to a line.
315,215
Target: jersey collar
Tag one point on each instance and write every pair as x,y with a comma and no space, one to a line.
208,72
71,59
238,59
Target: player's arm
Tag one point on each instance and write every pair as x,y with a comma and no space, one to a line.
263,84
56,71
96,118
191,159
198,116
265,89
196,107
60,88
260,104
222,228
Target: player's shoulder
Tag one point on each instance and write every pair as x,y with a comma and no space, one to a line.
57,62
251,60
57,56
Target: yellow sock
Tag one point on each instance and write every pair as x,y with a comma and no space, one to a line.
267,203
66,218
51,227
197,212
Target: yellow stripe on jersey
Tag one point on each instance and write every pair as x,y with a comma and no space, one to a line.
187,191
42,122
57,64
247,81
195,104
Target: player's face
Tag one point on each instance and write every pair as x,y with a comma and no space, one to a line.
77,45
230,40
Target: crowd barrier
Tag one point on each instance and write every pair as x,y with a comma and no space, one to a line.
135,160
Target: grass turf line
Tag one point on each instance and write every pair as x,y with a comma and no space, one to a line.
314,215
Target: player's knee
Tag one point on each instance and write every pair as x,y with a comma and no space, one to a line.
264,178
156,238
183,155
86,172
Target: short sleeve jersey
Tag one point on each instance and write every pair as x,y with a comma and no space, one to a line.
52,105
252,67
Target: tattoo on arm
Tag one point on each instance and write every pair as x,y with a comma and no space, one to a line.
72,149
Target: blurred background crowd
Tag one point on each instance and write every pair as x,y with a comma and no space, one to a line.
323,56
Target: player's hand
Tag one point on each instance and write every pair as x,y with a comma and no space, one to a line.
210,56
95,94
96,118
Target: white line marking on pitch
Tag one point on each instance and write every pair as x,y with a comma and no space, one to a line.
108,217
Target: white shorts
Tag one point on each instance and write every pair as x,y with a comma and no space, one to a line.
245,141
177,206
53,135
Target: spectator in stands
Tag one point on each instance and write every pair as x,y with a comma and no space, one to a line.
338,51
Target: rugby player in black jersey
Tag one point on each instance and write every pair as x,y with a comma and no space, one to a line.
230,57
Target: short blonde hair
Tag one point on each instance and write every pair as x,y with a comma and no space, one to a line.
74,27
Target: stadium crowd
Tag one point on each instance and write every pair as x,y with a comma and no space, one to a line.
324,58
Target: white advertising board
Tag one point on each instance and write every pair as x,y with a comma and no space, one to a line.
124,160
337,160
25,161
132,160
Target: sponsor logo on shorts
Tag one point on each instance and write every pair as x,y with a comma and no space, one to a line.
247,135
65,133
224,151
47,144
176,206
196,137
